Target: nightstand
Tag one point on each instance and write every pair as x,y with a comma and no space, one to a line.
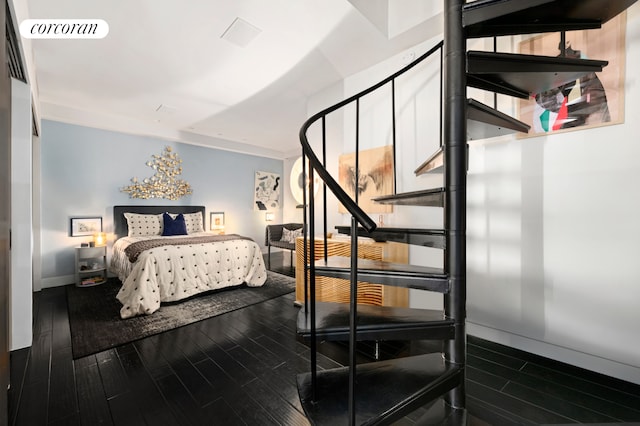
91,266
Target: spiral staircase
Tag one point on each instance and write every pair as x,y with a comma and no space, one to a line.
382,392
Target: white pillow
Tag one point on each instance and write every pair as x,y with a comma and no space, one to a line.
142,225
289,236
194,221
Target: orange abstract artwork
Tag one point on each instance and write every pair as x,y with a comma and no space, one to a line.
375,178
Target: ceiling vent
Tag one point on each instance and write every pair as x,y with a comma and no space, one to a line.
165,109
240,32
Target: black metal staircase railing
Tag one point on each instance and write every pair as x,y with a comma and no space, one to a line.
358,218
320,166
421,379
317,166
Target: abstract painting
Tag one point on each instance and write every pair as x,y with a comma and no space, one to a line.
595,99
375,178
267,191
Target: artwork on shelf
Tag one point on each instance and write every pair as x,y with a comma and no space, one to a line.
596,99
267,191
375,178
83,226
217,221
164,183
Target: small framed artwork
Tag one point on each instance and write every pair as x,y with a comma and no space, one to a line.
83,226
267,191
217,221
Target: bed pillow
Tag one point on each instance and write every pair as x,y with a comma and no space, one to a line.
143,225
194,222
173,226
290,235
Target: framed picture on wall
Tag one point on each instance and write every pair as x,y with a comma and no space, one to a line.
375,178
217,221
267,191
83,226
593,100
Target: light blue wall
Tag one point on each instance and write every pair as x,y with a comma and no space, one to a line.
84,168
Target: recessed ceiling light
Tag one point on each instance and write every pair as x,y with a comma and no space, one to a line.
240,32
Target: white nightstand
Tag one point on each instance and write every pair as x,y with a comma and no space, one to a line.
91,266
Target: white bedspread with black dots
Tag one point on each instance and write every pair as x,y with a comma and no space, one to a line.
175,272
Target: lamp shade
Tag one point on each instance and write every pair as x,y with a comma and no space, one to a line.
100,239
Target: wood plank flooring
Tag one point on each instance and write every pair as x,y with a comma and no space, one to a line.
240,369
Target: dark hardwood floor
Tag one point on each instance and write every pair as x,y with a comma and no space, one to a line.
240,368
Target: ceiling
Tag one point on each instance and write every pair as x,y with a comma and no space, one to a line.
163,69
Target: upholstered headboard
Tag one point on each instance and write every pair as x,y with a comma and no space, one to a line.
120,227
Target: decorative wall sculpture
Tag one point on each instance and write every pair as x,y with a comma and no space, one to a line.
164,183
267,191
375,178
300,183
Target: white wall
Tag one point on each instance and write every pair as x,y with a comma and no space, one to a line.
37,215
21,216
552,239
552,226
317,103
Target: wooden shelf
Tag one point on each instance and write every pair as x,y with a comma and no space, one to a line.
329,289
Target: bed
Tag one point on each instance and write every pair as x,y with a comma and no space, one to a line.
156,269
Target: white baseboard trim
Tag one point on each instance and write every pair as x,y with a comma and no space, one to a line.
58,281
584,360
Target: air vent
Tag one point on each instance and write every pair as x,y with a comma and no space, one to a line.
240,32
166,109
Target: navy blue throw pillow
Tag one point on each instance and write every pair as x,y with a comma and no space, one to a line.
175,226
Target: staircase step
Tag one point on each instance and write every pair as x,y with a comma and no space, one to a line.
441,414
524,75
376,323
435,163
387,273
488,18
385,391
485,122
420,237
427,197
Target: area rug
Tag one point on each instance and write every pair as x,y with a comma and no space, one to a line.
94,312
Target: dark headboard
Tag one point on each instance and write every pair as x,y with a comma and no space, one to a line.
121,229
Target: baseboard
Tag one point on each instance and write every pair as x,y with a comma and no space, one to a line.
58,281
584,360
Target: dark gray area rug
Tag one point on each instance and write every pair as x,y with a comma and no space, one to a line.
94,312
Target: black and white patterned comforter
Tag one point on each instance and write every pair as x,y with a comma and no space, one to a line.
169,273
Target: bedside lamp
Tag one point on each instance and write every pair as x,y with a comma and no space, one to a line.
269,216
100,239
